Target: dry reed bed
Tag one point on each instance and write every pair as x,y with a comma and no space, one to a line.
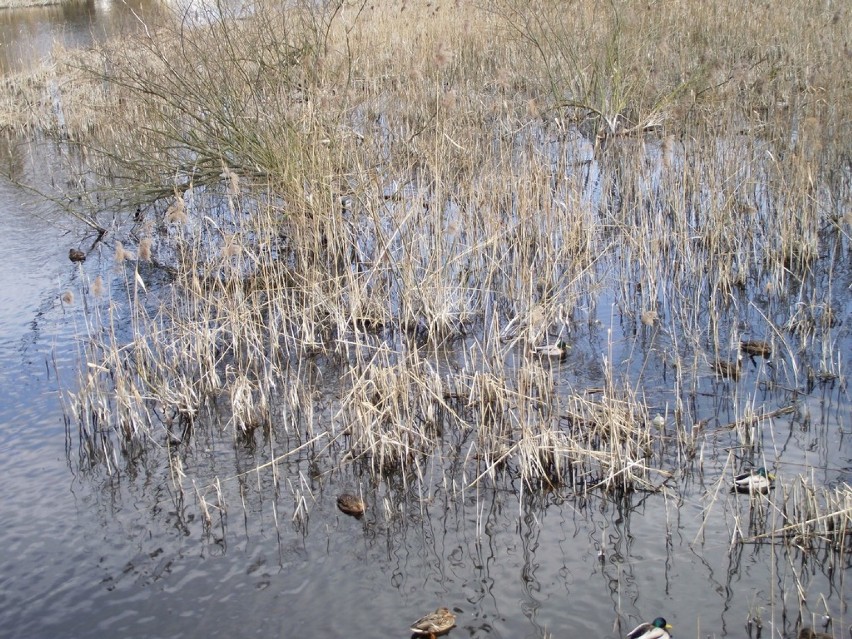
413,198
812,519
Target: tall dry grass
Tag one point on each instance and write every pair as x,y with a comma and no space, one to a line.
416,195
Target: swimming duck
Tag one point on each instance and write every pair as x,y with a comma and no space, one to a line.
657,629
351,504
76,255
557,350
756,347
435,623
730,370
810,633
754,481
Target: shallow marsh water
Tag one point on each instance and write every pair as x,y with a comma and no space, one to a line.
89,554
28,35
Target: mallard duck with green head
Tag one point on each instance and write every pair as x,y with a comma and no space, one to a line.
435,623
657,629
351,505
557,351
754,481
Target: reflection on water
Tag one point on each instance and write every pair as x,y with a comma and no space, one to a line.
27,36
131,554
556,566
87,554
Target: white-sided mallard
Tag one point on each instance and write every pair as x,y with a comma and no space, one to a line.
657,629
754,481
76,255
435,623
756,347
351,504
558,350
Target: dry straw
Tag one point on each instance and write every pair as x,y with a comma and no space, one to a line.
412,199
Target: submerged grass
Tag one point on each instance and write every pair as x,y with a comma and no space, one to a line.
357,222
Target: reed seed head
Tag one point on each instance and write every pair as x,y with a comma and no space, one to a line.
98,286
176,213
145,249
232,181
649,317
122,254
443,55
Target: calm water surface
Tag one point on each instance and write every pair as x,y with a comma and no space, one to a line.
84,554
27,36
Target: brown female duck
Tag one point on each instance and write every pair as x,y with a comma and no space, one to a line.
756,348
351,504
435,623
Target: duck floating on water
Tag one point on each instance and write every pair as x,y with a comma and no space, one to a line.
657,629
351,505
810,633
435,623
729,370
558,350
756,347
754,481
76,255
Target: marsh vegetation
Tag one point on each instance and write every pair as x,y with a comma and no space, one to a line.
350,229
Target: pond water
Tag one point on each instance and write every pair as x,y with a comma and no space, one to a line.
27,36
86,553
89,555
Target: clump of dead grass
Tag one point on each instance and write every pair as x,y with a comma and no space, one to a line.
413,197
